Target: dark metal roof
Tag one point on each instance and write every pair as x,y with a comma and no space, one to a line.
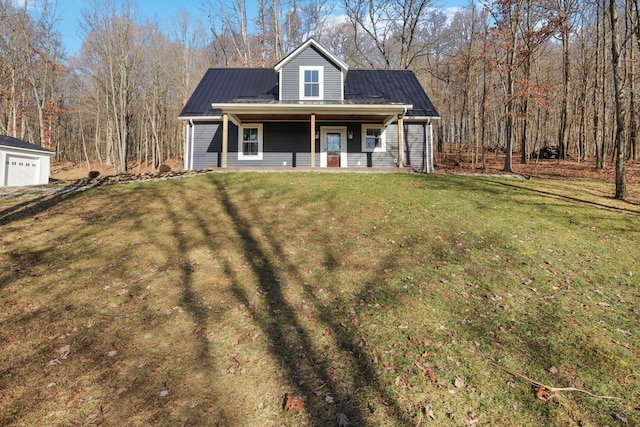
226,84
9,141
397,86
248,85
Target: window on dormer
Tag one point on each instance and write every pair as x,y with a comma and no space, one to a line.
311,84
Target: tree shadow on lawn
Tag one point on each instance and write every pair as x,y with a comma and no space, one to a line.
564,197
38,205
291,345
189,298
77,303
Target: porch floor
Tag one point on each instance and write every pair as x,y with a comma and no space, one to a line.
317,169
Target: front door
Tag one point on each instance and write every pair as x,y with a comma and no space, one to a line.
333,146
333,149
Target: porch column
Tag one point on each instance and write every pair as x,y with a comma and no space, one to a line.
313,140
400,141
225,139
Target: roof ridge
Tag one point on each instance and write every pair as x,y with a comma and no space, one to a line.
242,68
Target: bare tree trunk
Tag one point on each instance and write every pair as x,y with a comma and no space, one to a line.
564,13
620,146
514,17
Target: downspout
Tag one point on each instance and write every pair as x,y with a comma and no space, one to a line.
430,145
193,136
185,160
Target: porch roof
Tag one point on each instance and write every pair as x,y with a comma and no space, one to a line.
243,110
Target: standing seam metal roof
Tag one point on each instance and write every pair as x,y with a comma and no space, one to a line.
220,85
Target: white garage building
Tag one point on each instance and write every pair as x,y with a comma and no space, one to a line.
22,163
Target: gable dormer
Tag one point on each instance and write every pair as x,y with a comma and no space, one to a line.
311,73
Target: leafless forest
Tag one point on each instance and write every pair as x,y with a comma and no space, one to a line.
551,78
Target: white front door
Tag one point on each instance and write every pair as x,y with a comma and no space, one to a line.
333,146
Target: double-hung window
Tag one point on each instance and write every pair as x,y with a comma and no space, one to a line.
373,138
311,83
250,142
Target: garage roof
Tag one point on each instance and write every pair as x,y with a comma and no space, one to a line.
9,141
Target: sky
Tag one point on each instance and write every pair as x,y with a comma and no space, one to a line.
162,11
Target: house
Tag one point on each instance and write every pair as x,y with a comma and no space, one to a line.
22,163
310,110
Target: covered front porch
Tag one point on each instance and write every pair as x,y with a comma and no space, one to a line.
336,134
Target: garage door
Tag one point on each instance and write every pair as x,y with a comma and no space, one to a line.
21,170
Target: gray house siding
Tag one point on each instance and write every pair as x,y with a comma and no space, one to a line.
415,154
286,144
310,57
207,143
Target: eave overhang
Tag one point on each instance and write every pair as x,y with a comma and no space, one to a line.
421,118
200,118
28,150
313,108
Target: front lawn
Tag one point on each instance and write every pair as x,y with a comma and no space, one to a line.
374,299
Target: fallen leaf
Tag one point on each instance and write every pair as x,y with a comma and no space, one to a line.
553,370
389,367
543,393
458,382
342,419
431,373
293,403
64,351
429,413
620,418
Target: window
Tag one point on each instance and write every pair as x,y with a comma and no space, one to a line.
250,142
311,83
373,138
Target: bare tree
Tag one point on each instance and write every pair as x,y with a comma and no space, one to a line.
389,31
108,56
31,64
618,89
508,18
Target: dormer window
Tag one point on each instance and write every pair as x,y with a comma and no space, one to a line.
311,83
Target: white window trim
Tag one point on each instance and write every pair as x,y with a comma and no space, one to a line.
383,142
320,71
241,155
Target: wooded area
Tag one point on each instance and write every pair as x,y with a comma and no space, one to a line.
550,78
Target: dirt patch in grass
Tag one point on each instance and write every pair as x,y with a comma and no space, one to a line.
383,300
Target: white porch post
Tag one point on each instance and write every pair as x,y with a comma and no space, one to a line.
400,141
225,139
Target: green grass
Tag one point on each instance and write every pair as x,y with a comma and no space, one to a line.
202,301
